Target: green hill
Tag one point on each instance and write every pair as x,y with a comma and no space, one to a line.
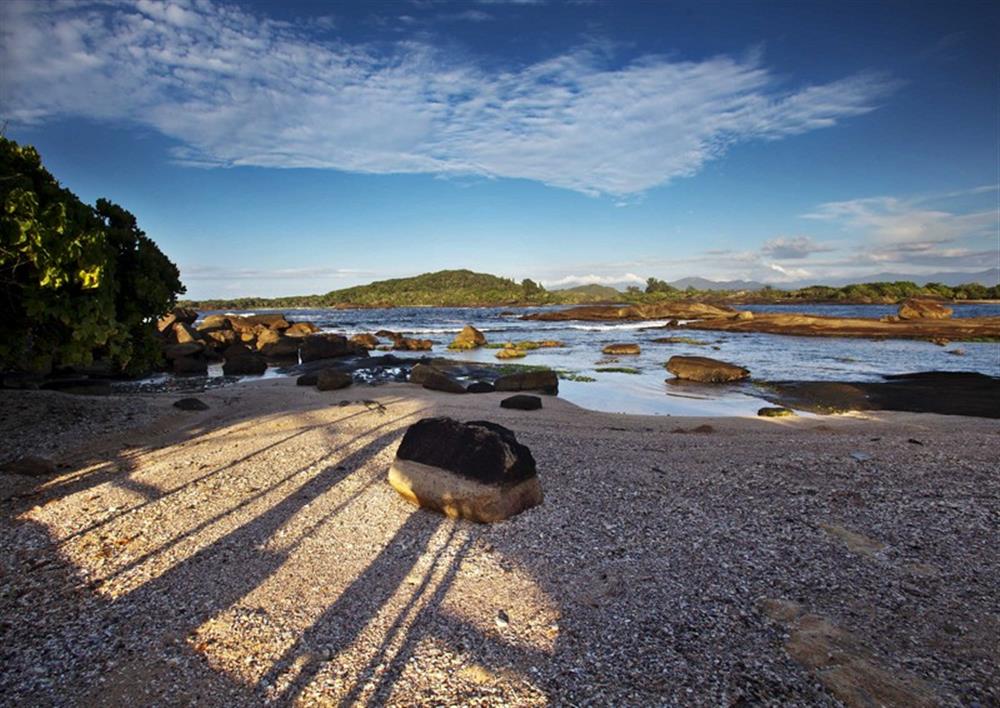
591,292
445,288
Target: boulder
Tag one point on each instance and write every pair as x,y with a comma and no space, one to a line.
522,402
332,379
282,348
307,379
241,324
191,404
368,341
412,345
420,372
476,470
177,351
271,321
480,387
250,364
468,338
30,466
183,333
438,381
213,322
544,380
265,336
618,349
301,329
743,315
190,366
914,309
324,346
510,353
775,412
704,369
219,338
235,351
179,314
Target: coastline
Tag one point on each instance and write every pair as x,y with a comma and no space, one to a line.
253,552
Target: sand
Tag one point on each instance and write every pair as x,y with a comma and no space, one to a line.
254,552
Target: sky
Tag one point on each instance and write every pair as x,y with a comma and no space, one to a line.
299,146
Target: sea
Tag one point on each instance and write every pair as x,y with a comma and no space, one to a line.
647,388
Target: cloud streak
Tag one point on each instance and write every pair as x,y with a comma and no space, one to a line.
233,88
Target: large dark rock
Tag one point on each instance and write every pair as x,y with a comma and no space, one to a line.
437,381
480,387
331,380
420,372
247,365
476,470
190,366
522,402
176,351
704,369
545,381
286,348
324,346
309,379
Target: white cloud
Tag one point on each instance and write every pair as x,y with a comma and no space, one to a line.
784,248
238,89
216,273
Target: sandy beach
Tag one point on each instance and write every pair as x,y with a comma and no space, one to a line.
254,552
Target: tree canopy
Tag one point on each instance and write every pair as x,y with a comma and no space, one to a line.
78,282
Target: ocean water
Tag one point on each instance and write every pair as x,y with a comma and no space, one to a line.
652,390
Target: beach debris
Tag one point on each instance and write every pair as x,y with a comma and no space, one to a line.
544,380
522,402
914,309
191,404
332,380
775,412
914,441
30,466
476,470
621,349
468,338
704,369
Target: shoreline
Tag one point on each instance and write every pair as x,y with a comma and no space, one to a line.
254,552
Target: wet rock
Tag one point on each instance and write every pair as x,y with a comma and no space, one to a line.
915,309
332,380
250,364
474,470
368,341
283,348
307,379
177,351
621,349
468,338
545,381
420,372
705,370
30,466
191,404
510,353
412,345
522,402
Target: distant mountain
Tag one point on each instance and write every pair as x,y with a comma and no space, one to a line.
706,284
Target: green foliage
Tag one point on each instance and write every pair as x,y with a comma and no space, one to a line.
77,281
654,285
446,288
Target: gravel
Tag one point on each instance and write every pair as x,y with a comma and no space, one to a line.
253,552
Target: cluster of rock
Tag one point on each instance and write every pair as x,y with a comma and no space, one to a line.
245,344
439,378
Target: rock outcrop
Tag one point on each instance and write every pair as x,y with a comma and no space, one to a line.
476,470
914,309
657,311
705,370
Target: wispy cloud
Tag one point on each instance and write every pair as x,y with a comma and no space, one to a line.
569,281
216,273
785,248
234,88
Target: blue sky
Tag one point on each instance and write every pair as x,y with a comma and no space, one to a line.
278,148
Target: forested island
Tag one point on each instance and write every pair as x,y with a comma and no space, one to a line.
465,288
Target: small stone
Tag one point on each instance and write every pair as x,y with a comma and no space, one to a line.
522,402
191,404
502,619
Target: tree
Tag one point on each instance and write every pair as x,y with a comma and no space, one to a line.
76,281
